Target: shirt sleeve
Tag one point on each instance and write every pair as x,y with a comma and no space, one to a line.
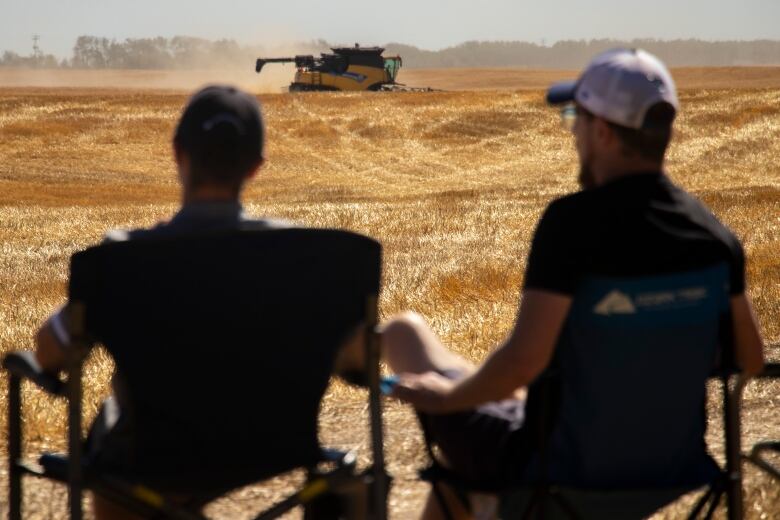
551,261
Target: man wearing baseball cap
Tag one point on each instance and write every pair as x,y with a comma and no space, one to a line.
217,146
630,224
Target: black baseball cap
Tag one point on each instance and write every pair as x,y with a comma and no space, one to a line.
221,123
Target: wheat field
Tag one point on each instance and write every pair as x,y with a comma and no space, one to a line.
452,183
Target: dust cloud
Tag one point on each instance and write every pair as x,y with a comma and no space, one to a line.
272,80
237,69
276,77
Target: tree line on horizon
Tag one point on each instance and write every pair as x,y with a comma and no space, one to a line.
185,52
575,54
179,52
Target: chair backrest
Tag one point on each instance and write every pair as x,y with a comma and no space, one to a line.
225,342
632,363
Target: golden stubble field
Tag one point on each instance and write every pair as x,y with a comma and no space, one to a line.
452,183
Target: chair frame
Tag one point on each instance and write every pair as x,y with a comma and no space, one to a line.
729,481
755,456
22,365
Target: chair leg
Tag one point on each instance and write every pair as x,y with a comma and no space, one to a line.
144,502
75,442
713,504
536,502
566,506
700,504
539,502
756,459
14,448
317,488
442,500
327,506
732,401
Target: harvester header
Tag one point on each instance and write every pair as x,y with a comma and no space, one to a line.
346,68
300,61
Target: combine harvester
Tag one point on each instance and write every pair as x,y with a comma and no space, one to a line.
347,69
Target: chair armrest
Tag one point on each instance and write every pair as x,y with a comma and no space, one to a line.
338,457
771,371
355,377
23,364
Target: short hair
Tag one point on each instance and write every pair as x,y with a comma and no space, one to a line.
222,131
219,160
652,139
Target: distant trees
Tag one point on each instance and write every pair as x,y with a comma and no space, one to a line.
186,52
570,54
180,52
42,61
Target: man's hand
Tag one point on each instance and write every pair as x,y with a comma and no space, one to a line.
427,392
515,364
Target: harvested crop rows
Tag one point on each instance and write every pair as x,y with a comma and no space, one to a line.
452,183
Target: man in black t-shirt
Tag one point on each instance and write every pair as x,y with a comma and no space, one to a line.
628,222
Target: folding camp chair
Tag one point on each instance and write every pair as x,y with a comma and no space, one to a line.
225,344
615,426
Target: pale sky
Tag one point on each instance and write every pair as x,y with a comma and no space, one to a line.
432,24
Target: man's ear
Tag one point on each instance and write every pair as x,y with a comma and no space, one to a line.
176,151
602,130
605,135
182,159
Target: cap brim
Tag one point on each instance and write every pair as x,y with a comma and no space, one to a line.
561,92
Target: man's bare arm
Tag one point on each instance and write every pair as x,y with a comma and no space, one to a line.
52,340
48,350
748,346
516,363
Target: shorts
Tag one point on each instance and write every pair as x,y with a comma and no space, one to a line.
484,445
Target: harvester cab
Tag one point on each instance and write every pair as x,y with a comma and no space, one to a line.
347,68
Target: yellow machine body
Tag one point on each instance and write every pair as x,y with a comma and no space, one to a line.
346,69
356,77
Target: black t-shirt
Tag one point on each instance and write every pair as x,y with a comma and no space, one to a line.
637,225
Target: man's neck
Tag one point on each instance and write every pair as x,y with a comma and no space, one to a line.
209,194
626,167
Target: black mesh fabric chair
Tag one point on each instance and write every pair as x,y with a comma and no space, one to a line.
615,427
548,500
224,344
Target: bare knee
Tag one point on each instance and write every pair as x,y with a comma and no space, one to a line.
403,328
407,330
409,345
404,339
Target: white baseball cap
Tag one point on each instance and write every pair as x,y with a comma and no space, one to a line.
619,85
